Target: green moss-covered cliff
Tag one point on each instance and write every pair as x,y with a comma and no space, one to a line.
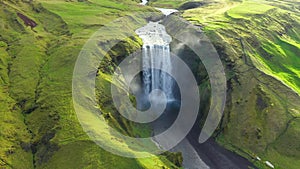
259,45
39,44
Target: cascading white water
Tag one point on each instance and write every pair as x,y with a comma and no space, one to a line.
144,2
156,53
156,50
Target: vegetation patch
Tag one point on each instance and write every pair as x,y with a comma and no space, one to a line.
259,46
39,128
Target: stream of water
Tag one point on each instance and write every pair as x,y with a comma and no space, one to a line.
156,53
144,2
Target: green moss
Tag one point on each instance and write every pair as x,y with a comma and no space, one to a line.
167,3
15,149
247,9
91,156
84,18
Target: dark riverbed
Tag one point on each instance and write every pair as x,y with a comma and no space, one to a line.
215,156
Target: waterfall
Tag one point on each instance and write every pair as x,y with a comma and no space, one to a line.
156,54
144,2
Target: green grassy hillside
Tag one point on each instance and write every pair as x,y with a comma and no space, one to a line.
259,44
167,3
39,128
273,25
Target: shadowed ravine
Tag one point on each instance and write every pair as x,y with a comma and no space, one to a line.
156,51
